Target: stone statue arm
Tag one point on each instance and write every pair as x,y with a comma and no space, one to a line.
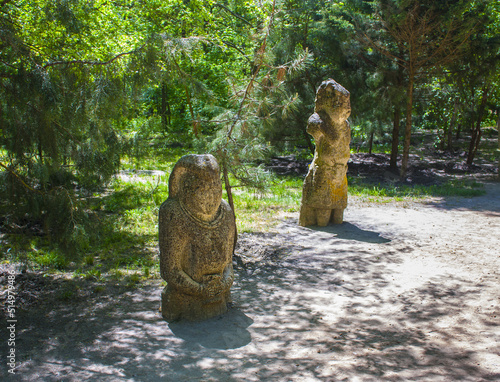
172,272
219,283
173,247
315,126
341,148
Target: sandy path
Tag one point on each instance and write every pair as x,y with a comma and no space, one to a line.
399,292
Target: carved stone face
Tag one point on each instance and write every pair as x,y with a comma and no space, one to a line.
334,100
202,196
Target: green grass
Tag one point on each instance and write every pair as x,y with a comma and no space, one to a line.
456,187
159,158
47,258
255,210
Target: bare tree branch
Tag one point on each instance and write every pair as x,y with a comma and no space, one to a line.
94,63
232,13
231,45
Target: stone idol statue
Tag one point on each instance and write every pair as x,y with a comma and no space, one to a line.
197,237
324,194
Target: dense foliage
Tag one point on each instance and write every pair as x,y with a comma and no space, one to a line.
88,86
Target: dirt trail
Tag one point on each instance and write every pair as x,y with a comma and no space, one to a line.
400,291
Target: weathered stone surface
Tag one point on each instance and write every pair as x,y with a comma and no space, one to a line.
324,194
197,236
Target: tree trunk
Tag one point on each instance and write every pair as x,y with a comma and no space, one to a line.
476,131
40,150
407,140
370,142
191,111
442,138
498,133
164,107
449,145
395,139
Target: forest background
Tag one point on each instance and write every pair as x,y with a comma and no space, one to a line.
95,93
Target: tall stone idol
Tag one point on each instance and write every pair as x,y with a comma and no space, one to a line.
197,236
324,194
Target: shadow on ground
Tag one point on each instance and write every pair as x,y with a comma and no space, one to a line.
349,231
225,332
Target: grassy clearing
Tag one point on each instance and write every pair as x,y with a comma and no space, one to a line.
124,244
258,211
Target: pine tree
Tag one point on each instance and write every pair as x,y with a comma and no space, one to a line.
63,93
421,37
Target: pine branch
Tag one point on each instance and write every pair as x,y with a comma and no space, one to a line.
386,52
8,64
20,179
242,102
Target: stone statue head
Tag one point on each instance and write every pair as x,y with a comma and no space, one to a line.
195,182
333,99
